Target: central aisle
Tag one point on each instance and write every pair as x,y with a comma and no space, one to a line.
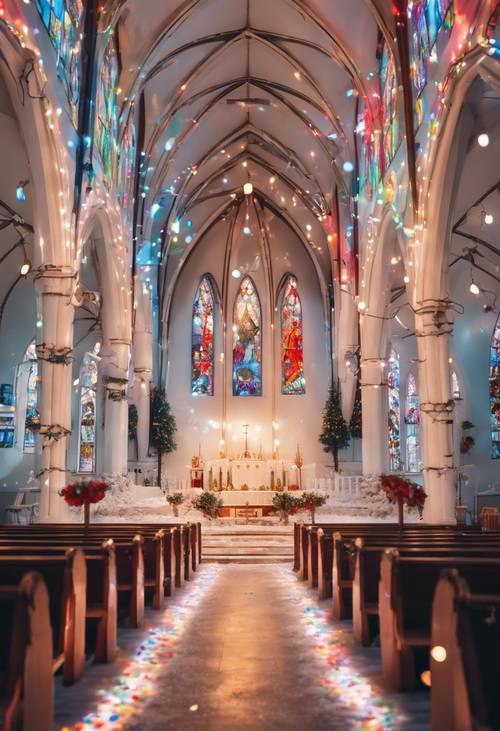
241,648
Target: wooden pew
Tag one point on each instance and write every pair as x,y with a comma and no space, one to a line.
465,666
65,577
406,592
26,655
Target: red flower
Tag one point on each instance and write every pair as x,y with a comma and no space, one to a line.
77,494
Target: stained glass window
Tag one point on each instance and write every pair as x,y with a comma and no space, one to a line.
456,392
438,14
412,421
390,122
247,345
419,47
202,340
292,357
62,18
88,402
369,151
495,391
32,420
106,126
394,412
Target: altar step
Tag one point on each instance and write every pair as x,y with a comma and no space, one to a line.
247,545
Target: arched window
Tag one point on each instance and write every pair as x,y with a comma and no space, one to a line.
247,341
292,359
456,392
32,419
394,412
412,421
202,340
495,391
88,400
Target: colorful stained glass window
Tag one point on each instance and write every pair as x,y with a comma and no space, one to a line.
32,420
62,18
495,391
247,341
292,356
202,340
412,421
127,165
106,125
88,403
369,151
419,47
438,14
393,387
390,122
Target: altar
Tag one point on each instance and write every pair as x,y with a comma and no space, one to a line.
245,474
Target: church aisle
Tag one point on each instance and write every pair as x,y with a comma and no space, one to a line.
242,648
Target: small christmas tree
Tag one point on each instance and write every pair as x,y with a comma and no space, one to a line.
356,423
162,427
335,434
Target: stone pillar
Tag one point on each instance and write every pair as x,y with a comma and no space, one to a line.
434,324
114,369
143,370
347,342
54,346
374,406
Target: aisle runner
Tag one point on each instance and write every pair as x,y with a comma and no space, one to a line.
359,706
128,696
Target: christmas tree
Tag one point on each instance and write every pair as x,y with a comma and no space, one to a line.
162,427
335,434
356,423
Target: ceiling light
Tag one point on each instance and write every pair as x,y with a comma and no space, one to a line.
224,180
394,260
247,230
361,306
272,179
483,139
248,189
245,163
406,279
236,273
488,219
474,289
348,167
25,267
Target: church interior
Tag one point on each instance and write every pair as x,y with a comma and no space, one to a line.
249,365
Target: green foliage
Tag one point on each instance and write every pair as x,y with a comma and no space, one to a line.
310,500
285,503
163,426
207,503
132,421
356,424
335,434
176,498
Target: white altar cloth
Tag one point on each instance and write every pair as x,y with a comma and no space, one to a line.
250,472
252,497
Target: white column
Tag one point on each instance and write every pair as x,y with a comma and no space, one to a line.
374,407
114,368
433,326
143,370
347,342
54,346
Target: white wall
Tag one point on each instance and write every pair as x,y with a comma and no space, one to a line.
199,418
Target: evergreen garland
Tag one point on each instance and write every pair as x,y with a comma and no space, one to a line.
335,434
356,423
162,427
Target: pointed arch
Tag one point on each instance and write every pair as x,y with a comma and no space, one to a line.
292,356
247,341
412,421
32,416
202,339
394,416
495,391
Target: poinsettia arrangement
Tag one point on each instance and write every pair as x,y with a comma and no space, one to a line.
84,492
399,488
310,501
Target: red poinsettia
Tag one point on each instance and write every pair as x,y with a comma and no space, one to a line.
77,494
399,488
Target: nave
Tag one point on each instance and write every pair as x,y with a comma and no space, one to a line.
244,648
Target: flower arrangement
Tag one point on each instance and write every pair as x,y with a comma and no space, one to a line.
175,499
310,501
293,487
286,504
84,493
402,491
208,504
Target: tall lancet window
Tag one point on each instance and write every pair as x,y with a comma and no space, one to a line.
456,392
394,412
412,421
495,391
247,341
32,419
292,359
88,402
202,340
